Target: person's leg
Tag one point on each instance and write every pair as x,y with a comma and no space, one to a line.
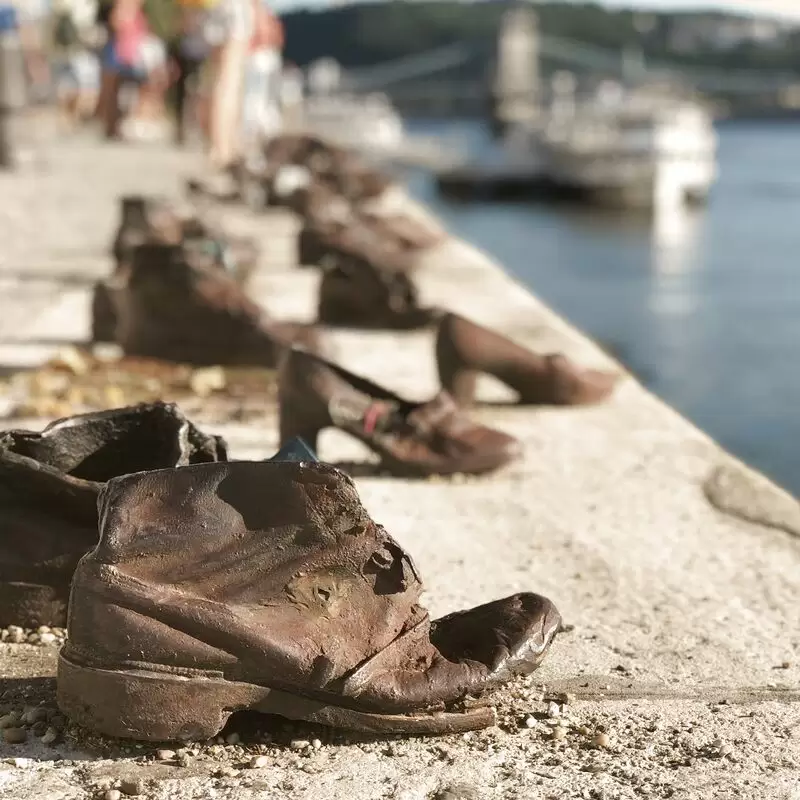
112,113
254,97
182,77
230,61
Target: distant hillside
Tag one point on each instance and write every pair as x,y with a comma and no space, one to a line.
366,34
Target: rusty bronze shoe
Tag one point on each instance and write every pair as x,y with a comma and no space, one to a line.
144,220
49,483
356,296
465,349
332,244
267,586
154,221
177,306
433,438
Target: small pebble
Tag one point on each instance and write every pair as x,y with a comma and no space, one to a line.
39,728
112,794
21,763
165,755
132,787
553,710
558,733
47,638
43,629
530,722
601,740
316,744
233,738
33,715
50,736
10,720
15,735
16,637
299,744
258,762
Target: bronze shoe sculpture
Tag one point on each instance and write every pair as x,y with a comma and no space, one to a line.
153,221
417,439
267,586
49,483
357,296
177,306
333,243
464,349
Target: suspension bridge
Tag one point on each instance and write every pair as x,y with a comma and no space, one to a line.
455,78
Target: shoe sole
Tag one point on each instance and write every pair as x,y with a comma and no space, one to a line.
156,706
30,605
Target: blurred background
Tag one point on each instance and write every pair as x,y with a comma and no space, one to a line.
637,167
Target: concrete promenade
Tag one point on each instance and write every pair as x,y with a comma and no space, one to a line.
676,568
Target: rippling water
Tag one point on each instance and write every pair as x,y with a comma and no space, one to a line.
704,308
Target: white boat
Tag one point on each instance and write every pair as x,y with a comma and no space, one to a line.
633,156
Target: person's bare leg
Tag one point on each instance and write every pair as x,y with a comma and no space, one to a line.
226,100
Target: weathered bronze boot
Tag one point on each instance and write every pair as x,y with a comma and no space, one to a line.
332,244
267,586
177,306
357,296
465,349
432,438
144,220
49,483
154,221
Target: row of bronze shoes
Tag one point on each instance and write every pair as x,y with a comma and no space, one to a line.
199,585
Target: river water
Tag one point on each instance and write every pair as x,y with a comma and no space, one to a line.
704,308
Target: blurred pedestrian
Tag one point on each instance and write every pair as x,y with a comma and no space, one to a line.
133,56
33,24
77,68
190,51
262,101
229,31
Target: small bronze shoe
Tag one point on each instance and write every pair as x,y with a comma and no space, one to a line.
432,438
153,221
178,306
267,586
49,483
357,296
464,349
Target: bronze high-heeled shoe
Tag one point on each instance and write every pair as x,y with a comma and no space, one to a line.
432,438
464,349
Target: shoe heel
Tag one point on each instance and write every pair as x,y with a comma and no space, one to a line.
147,705
308,434
460,384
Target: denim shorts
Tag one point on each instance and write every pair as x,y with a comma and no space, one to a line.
111,62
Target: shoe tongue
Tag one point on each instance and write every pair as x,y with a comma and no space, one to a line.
295,449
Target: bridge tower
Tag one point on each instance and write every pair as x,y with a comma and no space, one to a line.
515,83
